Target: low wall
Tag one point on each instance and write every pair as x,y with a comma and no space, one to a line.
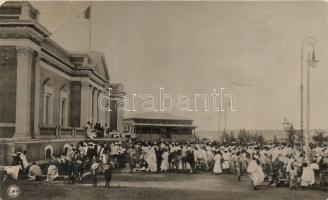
36,149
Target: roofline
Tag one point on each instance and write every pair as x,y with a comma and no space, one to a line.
158,118
165,125
86,53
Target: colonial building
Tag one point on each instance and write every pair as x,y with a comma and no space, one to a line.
47,94
158,125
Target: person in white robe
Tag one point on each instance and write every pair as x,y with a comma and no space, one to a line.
70,152
307,177
165,161
24,159
151,160
90,132
52,173
34,172
226,161
11,171
217,164
256,173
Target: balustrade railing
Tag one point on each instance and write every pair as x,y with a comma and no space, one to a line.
48,131
62,132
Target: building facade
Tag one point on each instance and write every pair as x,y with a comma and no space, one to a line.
159,126
47,94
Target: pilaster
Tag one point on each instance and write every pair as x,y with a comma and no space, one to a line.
90,103
84,103
37,99
95,105
23,92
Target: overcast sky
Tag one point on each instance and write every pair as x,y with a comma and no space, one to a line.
252,49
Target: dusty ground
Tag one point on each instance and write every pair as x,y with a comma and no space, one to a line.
162,186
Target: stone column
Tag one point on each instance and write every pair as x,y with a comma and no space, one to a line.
37,99
113,113
95,105
23,92
84,103
103,111
90,104
98,110
119,120
106,112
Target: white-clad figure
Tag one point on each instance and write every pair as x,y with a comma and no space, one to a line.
52,173
24,159
256,172
90,132
165,161
217,165
151,160
12,171
226,160
308,174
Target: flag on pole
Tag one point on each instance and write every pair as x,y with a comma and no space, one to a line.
86,13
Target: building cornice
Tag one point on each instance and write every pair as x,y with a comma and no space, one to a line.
71,72
68,66
56,49
20,32
30,23
26,28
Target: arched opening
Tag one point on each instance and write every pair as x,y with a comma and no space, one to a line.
48,96
48,151
65,149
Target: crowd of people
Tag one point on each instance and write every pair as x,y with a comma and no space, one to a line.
271,165
99,131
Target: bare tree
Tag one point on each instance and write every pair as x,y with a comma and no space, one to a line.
319,137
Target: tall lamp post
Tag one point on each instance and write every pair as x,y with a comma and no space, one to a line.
311,61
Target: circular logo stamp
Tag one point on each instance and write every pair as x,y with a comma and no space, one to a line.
13,191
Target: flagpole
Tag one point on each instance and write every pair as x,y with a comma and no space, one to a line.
219,113
225,116
90,26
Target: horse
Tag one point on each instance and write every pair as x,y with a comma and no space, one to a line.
201,160
174,160
74,172
188,157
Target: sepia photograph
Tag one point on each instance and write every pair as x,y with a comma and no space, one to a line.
162,100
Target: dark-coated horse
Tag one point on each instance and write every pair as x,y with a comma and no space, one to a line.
174,160
74,172
188,157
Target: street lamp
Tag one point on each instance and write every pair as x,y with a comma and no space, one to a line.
312,62
312,41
